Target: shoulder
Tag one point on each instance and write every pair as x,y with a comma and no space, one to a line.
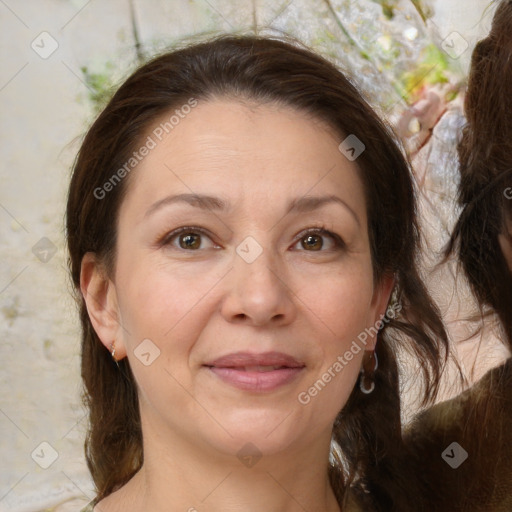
483,406
462,447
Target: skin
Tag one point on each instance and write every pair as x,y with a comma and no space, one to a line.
199,304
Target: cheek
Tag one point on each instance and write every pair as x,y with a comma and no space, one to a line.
159,305
167,306
343,304
342,301
155,296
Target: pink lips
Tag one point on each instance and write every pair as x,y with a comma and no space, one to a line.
256,372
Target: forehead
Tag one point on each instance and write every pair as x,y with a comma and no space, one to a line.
238,150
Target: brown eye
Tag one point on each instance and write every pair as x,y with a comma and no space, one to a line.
314,242
189,241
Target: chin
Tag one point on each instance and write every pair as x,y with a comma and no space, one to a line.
248,443
268,430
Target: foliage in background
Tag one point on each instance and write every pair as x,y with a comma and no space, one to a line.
430,70
396,46
388,8
100,85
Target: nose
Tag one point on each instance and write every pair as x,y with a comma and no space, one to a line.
258,291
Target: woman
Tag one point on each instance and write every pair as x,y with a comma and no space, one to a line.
238,219
479,421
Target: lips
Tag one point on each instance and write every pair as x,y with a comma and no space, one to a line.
272,360
256,372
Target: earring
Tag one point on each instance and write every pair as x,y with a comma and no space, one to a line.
367,374
113,352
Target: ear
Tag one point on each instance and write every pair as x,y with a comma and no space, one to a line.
100,296
380,300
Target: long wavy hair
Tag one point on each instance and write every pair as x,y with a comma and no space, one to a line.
485,162
368,429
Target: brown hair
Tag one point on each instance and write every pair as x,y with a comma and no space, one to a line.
368,429
479,419
485,159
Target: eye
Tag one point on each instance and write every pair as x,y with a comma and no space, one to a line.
189,238
312,239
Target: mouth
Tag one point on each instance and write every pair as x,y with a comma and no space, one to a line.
255,368
256,372
271,360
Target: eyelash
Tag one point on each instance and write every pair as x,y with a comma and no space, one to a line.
339,243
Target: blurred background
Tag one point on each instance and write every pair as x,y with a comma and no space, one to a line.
61,60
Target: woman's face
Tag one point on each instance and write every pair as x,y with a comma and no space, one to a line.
229,324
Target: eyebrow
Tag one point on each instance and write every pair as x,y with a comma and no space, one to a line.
205,202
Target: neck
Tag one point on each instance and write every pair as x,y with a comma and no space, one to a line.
179,474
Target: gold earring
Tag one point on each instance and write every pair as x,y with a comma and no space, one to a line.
367,374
